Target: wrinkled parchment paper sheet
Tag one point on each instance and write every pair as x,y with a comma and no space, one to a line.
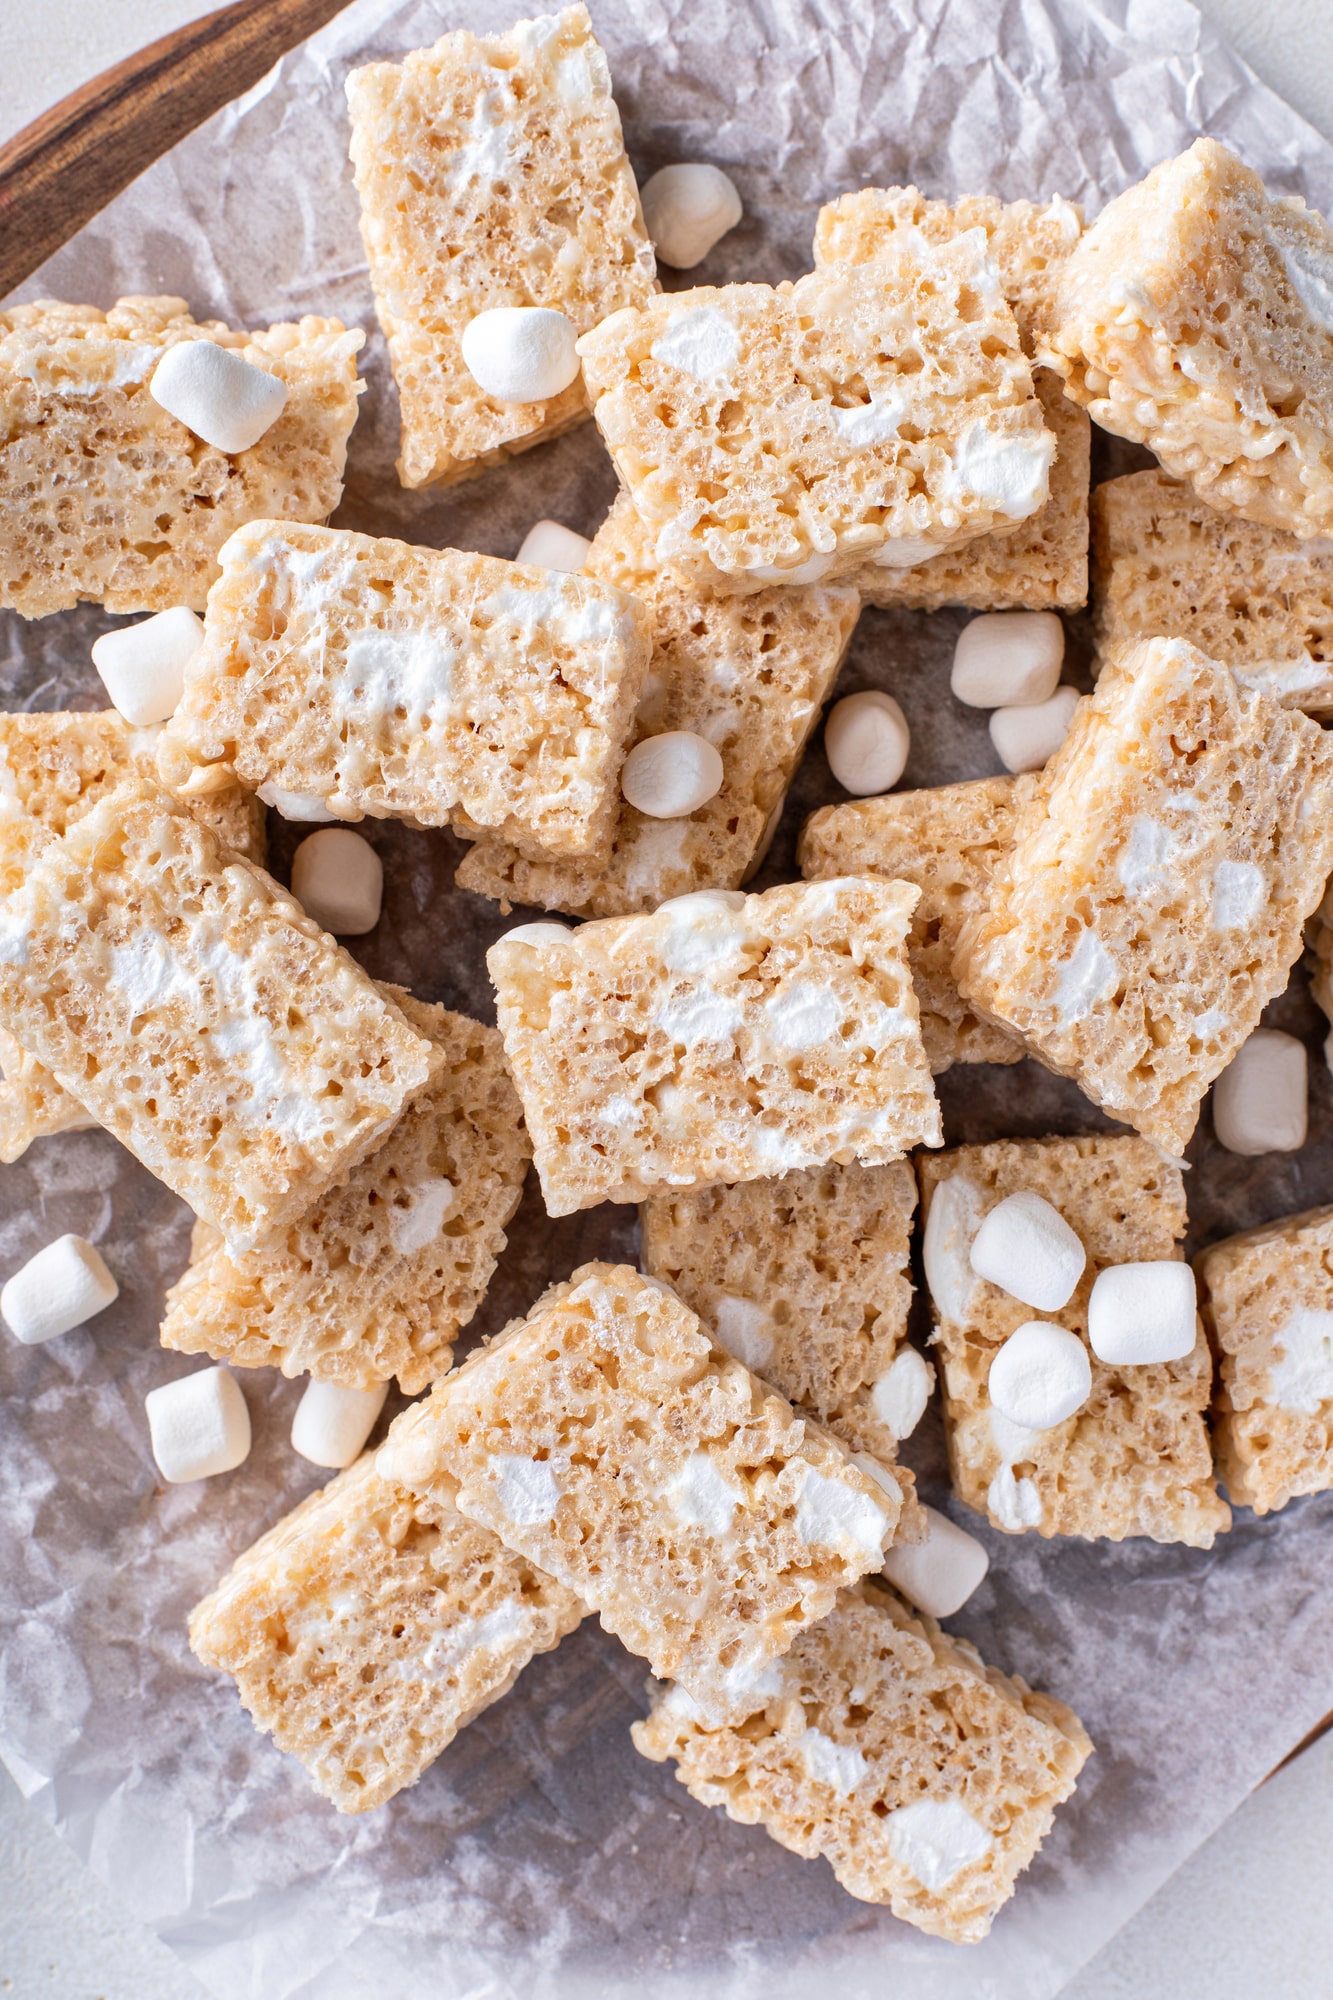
541,1857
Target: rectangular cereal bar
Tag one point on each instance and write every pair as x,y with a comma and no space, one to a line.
189,1004
1267,1299
412,683
1152,902
105,496
370,1626
1135,1458
609,1439
492,172
723,1038
925,1778
749,675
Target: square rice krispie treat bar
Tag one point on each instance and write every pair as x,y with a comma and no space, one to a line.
1168,565
412,683
750,675
881,410
1152,902
926,1779
492,172
945,840
105,496
724,1038
609,1439
1267,1300
1195,317
1135,1459
370,1626
378,1277
194,1009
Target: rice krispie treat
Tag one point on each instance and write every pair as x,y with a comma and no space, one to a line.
370,1626
412,683
724,1038
870,411
1152,901
378,1277
945,840
189,1004
1195,317
609,1439
925,1778
492,172
749,675
104,495
1255,598
1267,1301
1135,1459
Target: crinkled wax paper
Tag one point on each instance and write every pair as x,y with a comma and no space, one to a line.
541,1856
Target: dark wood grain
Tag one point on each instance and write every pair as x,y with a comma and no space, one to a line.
59,171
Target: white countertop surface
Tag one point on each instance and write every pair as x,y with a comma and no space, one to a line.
1250,1917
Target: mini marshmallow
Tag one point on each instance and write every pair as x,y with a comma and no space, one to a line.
1142,1313
1025,738
332,1423
338,880
687,209
199,1425
1040,1376
900,1396
1028,1249
226,401
538,934
941,1573
548,545
866,741
1008,659
143,666
298,807
59,1288
1259,1101
521,354
671,775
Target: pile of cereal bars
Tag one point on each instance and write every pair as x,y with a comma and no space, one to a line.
704,1451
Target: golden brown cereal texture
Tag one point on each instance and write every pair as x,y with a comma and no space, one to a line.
186,1000
492,172
1152,902
1135,1459
609,1439
1267,1301
724,1038
105,496
874,1713
1194,317
750,674
368,1627
379,1276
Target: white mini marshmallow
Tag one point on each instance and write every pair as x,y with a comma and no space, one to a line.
941,1573
539,934
521,354
223,399
1040,1376
1008,659
332,1423
687,209
143,666
1025,738
299,807
671,775
866,741
59,1288
199,1425
900,1396
1260,1099
1027,1248
1142,1313
549,545
338,880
